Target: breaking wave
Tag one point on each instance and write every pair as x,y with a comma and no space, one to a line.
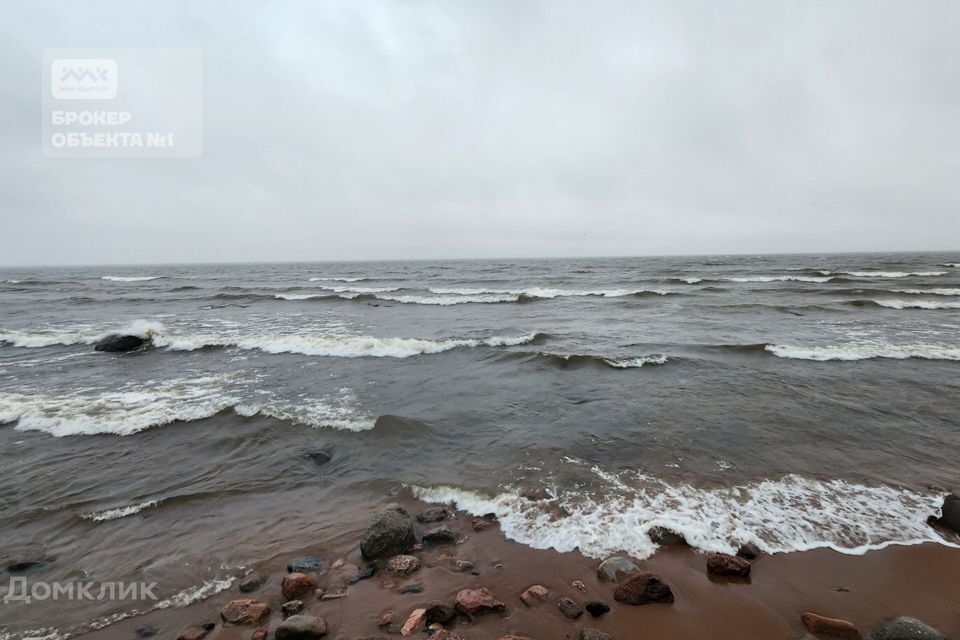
892,274
130,278
568,361
907,304
930,292
119,512
540,292
865,351
789,514
815,279
333,279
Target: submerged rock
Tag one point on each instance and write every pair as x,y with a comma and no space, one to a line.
481,524
905,628
830,627
597,608
307,564
440,613
462,565
147,631
534,595
595,634
193,633
301,627
723,564
434,514
749,551
251,582
244,611
319,456
116,343
439,535
611,569
291,608
389,534
295,585
472,602
666,537
415,622
644,588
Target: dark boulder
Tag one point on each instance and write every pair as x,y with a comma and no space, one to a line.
319,456
440,613
389,534
723,564
904,628
749,551
596,608
643,588
147,631
950,513
251,582
569,608
116,343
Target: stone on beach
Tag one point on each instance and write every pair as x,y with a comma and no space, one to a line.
116,343
643,588
906,628
569,608
666,537
472,602
291,608
440,613
402,565
611,569
830,627
415,622
260,634
390,533
462,565
481,524
749,551
244,611
534,595
295,585
193,633
950,513
301,627
724,564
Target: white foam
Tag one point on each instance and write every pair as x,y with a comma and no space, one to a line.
815,279
917,304
892,274
691,280
631,363
125,411
119,512
865,351
343,346
930,292
789,514
47,338
447,300
340,412
130,278
319,279
542,292
952,264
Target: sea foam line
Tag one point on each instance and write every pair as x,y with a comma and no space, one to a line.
119,512
865,351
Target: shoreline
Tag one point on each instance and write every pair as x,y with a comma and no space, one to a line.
868,589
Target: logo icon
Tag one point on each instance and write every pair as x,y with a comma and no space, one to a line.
83,79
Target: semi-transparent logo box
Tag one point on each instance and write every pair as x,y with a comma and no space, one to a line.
122,103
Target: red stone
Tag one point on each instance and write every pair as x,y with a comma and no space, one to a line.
244,611
723,564
295,585
830,627
475,601
643,588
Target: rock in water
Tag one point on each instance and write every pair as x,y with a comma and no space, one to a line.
390,533
439,535
291,608
251,582
295,585
434,514
749,551
534,595
116,343
643,588
666,537
904,628
307,564
319,456
830,627
301,628
440,613
415,622
597,609
193,633
950,513
611,568
723,564
471,602
244,611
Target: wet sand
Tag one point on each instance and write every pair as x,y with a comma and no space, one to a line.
919,581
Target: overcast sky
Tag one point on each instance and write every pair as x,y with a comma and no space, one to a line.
409,129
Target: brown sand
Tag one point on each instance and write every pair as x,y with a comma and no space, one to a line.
922,581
